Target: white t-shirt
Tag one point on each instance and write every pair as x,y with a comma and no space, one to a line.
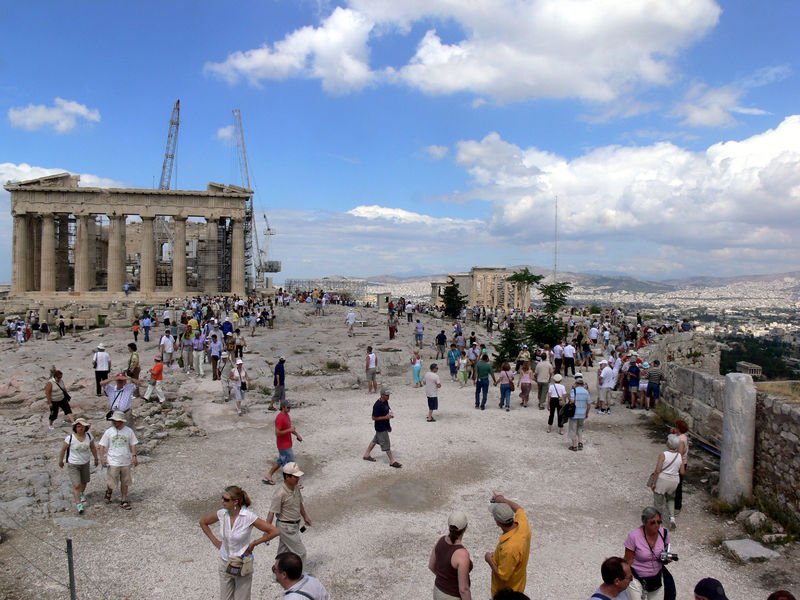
593,333
556,390
607,378
120,399
236,538
675,467
119,442
432,383
166,341
102,360
351,318
373,360
569,351
79,451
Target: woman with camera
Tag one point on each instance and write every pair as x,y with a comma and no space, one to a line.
235,548
647,551
238,380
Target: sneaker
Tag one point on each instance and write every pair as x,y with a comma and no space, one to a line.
672,524
549,428
507,409
79,506
50,428
83,497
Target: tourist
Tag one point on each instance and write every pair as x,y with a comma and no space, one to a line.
198,352
480,379
568,353
542,374
120,395
416,368
557,394
506,381
225,366
101,361
156,380
284,430
525,382
681,429
452,362
167,346
118,453
432,384
617,576
579,396
643,548
558,358
370,370
606,380
287,509
392,322
186,349
134,368
288,571
215,351
236,524
510,595
441,344
135,329
238,379
463,369
633,381
350,321
654,377
278,383
419,330
711,589
147,323
509,561
62,327
451,563
59,403
523,357
77,451
666,478
381,417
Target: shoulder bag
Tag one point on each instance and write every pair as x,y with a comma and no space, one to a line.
651,481
511,386
238,566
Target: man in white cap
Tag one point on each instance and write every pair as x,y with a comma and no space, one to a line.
606,380
287,509
101,362
509,561
118,453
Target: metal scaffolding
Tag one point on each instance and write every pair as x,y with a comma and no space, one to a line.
355,289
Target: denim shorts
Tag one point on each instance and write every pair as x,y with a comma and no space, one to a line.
285,456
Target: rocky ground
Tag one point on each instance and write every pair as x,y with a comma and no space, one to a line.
373,526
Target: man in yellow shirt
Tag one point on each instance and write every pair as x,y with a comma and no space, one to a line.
509,561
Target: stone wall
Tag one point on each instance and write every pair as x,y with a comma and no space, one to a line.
777,461
698,398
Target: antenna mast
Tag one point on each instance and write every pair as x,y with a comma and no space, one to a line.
555,244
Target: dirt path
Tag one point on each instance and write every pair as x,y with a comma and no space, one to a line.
374,526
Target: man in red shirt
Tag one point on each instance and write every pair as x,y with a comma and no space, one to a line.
283,435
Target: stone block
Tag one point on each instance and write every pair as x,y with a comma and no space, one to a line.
748,550
717,393
683,381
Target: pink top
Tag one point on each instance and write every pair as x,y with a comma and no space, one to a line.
506,377
645,558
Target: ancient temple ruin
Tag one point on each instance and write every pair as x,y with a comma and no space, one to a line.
487,287
95,242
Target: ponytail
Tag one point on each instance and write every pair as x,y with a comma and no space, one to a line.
455,533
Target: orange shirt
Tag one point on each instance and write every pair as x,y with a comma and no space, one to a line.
511,556
157,372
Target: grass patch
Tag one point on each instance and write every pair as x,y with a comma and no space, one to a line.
786,389
335,365
723,508
778,511
263,389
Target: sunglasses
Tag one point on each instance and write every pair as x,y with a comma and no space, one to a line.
224,499
654,522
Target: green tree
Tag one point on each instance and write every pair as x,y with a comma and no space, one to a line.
555,295
454,300
525,277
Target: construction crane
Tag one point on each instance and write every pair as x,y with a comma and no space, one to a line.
254,261
162,231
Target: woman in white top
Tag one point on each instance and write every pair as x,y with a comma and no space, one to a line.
79,448
558,395
236,524
669,468
238,380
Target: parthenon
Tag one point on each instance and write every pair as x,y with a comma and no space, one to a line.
72,241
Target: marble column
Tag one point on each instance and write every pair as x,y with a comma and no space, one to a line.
115,248
34,251
47,268
179,257
237,260
738,438
63,280
123,248
20,281
147,266
210,285
82,272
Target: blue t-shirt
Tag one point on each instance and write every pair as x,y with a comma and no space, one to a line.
633,375
581,397
452,357
381,409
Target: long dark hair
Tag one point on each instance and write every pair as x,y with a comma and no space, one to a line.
455,533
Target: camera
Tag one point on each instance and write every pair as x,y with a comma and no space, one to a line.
667,556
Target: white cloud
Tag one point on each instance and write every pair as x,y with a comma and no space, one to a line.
510,50
336,52
62,117
400,215
226,134
437,152
736,201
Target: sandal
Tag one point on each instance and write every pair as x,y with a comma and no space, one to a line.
369,458
396,465
107,497
126,505
573,448
268,481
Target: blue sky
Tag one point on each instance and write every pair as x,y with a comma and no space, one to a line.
426,136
